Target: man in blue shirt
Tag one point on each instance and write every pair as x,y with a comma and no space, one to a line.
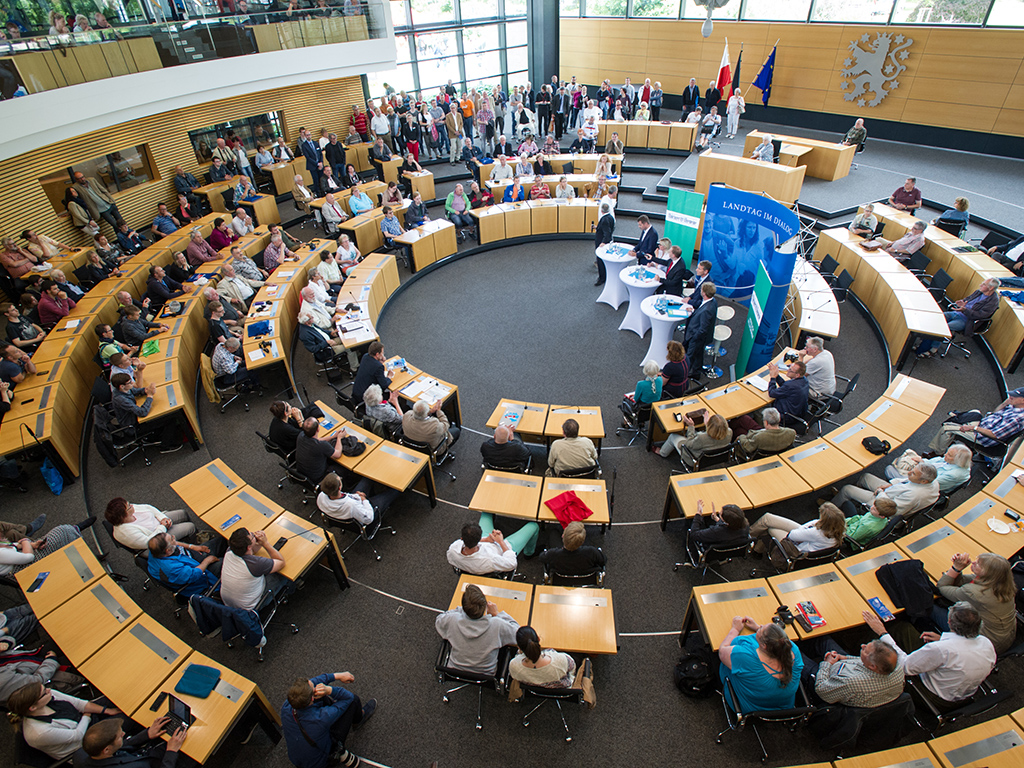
317,717
164,223
790,392
173,563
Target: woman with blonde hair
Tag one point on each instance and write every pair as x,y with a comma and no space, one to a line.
814,536
989,588
717,434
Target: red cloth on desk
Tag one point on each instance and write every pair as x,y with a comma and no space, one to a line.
568,507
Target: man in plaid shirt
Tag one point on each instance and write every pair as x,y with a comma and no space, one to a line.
987,431
870,680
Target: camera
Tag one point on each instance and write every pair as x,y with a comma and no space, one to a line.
783,616
791,357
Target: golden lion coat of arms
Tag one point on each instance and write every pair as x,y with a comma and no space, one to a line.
874,70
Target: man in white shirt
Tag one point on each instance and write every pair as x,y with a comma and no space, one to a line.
333,214
502,170
316,309
235,287
479,554
281,152
245,576
951,665
821,368
135,524
592,111
909,244
911,493
380,127
366,504
242,222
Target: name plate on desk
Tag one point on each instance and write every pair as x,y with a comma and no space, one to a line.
256,504
727,391
511,481
54,371
735,594
685,481
846,434
879,410
580,411
575,487
170,347
1007,485
754,470
176,328
83,570
226,481
172,397
874,563
980,750
44,396
922,762
397,453
974,513
807,453
807,582
108,601
168,370
592,601
505,594
154,643
298,530
931,538
227,690
900,389
680,404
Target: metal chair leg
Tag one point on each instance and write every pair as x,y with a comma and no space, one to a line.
568,736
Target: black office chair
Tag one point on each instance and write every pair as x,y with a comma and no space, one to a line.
592,472
228,196
860,149
988,459
295,476
522,467
816,412
991,240
140,557
274,449
438,455
343,396
980,327
841,287
984,700
918,265
119,442
853,730
827,268
636,418
83,279
558,695
497,681
702,557
362,532
567,169
776,149
944,496
835,402
955,227
723,455
737,720
592,578
783,561
850,546
211,615
937,286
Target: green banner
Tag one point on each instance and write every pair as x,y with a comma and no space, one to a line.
682,220
758,301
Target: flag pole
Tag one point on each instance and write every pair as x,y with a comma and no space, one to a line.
762,64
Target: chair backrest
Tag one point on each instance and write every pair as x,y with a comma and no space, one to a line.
841,727
447,672
776,149
271,447
567,168
350,525
954,227
829,265
344,398
992,239
940,282
919,262
714,456
563,694
521,467
724,552
592,578
592,472
843,283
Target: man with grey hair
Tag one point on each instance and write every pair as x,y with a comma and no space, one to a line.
242,222
229,365
501,171
322,317
387,413
234,287
276,253
872,679
507,449
915,491
966,314
908,245
953,467
428,424
772,439
821,368
246,268
764,151
317,340
951,665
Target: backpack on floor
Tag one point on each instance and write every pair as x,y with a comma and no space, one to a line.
695,673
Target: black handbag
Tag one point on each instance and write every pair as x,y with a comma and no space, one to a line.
876,446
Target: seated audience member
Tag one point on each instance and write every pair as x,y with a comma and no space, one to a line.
246,267
957,213
22,332
1006,421
790,392
546,668
130,240
301,194
128,412
112,255
872,679
820,368
136,330
95,271
908,245
390,227
953,468
501,171
132,367
52,721
764,151
481,198
416,213
392,195
773,438
856,135
285,426
574,557
484,549
648,389
160,288
728,528
72,290
16,260
235,288
311,453
199,251
564,190
570,451
192,571
104,744
184,183
318,341
18,669
915,491
44,247
222,235
614,145
989,589
429,424
277,253
108,347
862,528
514,192
907,198
135,524
16,555
477,631
164,223
317,717
242,224
507,449
219,331
54,304
388,413
179,269
764,668
864,224
333,214
245,576
329,270
359,202
366,503
717,434
951,665
675,372
15,364
1010,255
824,533
966,314
229,364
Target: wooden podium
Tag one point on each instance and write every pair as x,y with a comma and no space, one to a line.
781,182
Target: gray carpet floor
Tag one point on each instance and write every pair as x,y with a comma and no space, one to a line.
519,321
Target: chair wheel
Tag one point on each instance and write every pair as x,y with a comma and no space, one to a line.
568,738
295,630
280,486
145,587
378,558
393,532
246,407
718,741
675,568
444,699
479,727
526,725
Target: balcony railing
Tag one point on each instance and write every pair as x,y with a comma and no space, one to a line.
32,64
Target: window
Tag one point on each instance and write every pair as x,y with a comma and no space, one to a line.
258,129
478,9
516,7
661,9
117,171
483,65
402,54
940,11
476,39
605,8
777,10
435,46
399,79
426,12
1007,13
515,34
438,72
873,11
693,11
569,8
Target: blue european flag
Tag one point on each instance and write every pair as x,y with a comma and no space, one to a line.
764,78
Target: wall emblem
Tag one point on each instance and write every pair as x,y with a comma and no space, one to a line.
873,70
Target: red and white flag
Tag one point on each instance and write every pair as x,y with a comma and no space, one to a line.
724,83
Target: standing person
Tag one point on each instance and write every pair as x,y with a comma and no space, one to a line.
560,104
468,110
657,99
603,234
735,107
691,98
317,717
699,328
543,110
454,131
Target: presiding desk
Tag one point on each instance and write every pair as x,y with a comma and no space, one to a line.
823,159
781,182
648,134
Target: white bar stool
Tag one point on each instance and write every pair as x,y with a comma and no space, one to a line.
722,333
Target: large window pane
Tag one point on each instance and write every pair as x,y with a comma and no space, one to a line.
662,9
476,39
515,58
400,79
515,34
478,9
517,78
940,11
569,8
436,45
399,13
693,11
874,11
480,65
432,11
402,49
438,72
782,10
515,7
1007,13
606,8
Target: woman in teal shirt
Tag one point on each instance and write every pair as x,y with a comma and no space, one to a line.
763,669
648,390
359,202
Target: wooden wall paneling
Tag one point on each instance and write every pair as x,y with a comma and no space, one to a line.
959,92
1014,97
999,43
978,70
1009,122
974,119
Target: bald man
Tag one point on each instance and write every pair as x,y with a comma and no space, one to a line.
506,449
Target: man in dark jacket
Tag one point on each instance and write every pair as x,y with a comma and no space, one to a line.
699,328
573,558
160,288
676,274
603,234
691,97
317,717
506,449
334,154
790,392
371,371
965,314
104,745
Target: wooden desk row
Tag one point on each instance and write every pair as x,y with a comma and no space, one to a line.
823,159
584,164
130,657
899,302
811,307
573,620
581,182
649,134
535,217
372,189
904,407
525,497
543,422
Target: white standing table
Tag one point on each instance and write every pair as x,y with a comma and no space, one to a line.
614,255
640,282
664,314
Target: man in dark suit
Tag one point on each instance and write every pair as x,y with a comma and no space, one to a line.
334,153
1010,255
314,158
699,328
711,97
561,103
648,242
790,392
380,154
675,275
691,97
603,234
699,278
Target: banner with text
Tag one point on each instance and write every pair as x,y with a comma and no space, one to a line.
682,220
